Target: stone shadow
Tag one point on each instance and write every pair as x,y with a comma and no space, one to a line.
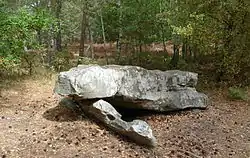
131,110
63,114
66,113
132,114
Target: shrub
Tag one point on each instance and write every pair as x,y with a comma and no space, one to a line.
86,61
147,60
237,93
63,61
9,66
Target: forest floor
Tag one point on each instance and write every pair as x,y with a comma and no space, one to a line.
33,125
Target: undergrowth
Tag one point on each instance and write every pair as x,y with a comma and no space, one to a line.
236,93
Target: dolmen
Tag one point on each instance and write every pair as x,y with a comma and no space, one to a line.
100,90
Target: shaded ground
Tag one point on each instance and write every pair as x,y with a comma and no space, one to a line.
33,125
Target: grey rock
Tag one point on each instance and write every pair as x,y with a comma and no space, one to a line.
133,87
137,130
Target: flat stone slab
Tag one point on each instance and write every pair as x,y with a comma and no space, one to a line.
133,87
137,130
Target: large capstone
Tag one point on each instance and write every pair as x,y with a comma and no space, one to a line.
133,87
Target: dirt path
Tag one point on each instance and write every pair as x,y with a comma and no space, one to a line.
32,125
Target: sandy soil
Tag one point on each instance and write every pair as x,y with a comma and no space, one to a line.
33,125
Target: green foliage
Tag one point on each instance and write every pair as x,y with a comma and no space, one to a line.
9,66
61,61
147,60
30,61
155,61
203,29
87,61
236,93
18,29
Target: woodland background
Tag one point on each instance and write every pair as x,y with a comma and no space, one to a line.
211,38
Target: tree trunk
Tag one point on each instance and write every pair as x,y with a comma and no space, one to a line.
91,43
162,32
58,16
104,39
83,33
195,53
190,54
140,47
164,44
175,58
39,36
120,31
184,50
